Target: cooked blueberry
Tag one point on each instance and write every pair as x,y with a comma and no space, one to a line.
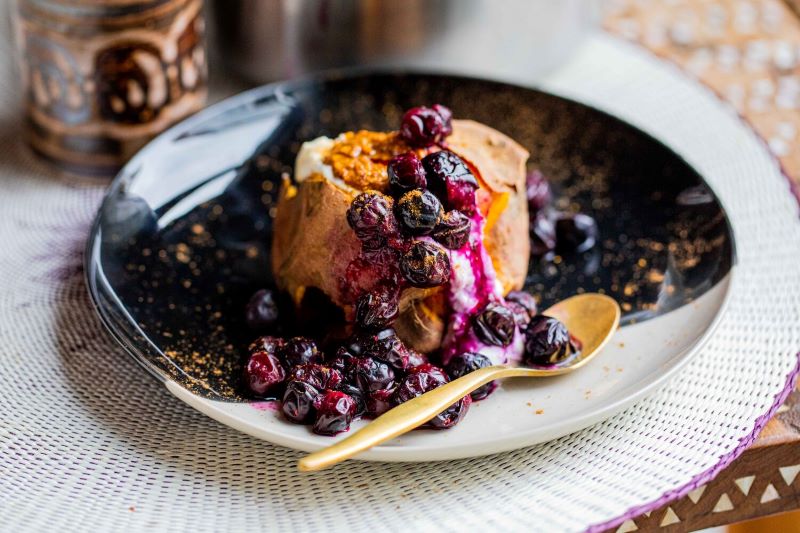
461,196
261,312
369,374
453,230
450,179
452,415
422,126
379,307
299,351
463,364
447,118
354,347
425,264
379,401
339,363
357,345
425,378
267,343
386,346
538,191
494,325
318,376
575,233
418,212
371,218
298,402
335,411
542,231
523,305
415,359
356,394
418,381
547,341
431,370
264,373
406,173
521,316
525,299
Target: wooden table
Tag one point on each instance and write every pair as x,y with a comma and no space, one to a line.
748,52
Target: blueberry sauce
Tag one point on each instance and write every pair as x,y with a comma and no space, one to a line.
473,284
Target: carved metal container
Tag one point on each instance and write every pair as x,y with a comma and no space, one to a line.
102,77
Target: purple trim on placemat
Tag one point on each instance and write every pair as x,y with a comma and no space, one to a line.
711,473
793,187
791,378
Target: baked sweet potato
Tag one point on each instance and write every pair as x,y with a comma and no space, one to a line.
313,246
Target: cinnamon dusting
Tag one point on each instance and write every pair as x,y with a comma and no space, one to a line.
360,158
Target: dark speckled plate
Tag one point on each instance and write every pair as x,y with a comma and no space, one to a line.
182,239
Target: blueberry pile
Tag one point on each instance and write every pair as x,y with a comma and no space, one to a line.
368,374
373,370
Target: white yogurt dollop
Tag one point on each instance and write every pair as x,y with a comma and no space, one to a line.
311,157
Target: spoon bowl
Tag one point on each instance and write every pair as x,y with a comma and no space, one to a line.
591,318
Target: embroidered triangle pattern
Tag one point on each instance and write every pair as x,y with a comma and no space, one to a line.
788,473
670,518
696,493
723,504
769,494
744,483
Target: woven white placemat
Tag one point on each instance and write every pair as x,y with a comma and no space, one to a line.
89,441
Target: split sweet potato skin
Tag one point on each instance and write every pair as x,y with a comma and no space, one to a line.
501,163
313,245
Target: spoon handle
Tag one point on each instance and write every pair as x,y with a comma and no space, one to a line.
407,416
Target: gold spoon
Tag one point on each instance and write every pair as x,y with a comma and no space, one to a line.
591,318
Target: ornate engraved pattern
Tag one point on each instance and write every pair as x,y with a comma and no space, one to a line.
55,82
760,483
127,77
103,78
